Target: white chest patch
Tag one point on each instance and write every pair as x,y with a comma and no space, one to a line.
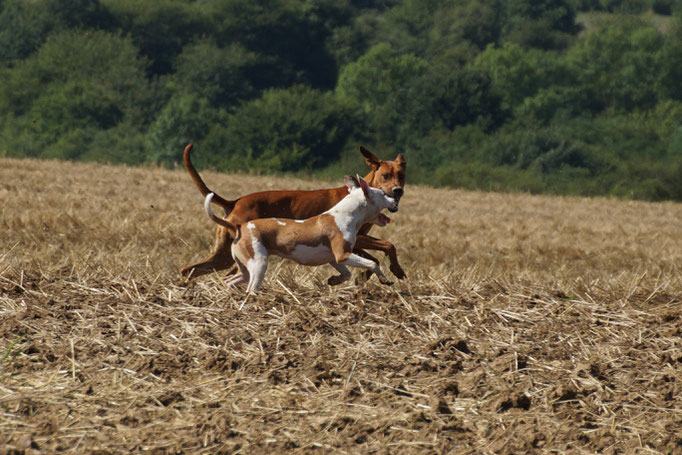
250,225
346,225
311,255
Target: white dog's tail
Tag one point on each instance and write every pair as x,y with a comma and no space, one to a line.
232,229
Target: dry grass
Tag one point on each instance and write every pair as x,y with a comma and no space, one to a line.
527,324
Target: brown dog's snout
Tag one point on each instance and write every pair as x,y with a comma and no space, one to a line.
397,193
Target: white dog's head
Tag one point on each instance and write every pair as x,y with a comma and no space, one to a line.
375,198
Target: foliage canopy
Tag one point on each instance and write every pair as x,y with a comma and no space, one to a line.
564,96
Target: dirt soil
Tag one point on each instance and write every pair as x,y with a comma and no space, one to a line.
527,324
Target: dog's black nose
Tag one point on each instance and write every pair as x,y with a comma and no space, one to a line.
397,192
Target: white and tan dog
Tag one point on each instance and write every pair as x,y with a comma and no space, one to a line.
323,239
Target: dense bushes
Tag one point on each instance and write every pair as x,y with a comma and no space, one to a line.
75,89
563,96
285,130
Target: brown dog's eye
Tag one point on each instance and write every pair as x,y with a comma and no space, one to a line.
387,176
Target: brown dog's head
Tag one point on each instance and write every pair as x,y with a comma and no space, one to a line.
388,176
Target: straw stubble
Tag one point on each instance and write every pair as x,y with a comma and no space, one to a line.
527,323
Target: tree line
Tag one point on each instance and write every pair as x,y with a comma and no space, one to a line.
576,97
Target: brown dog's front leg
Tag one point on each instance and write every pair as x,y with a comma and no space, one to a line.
366,242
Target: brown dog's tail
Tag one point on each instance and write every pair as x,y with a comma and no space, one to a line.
224,203
231,228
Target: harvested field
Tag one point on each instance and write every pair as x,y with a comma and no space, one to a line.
527,324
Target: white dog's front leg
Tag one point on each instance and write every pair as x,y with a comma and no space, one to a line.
358,261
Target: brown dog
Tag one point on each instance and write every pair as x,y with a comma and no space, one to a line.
389,176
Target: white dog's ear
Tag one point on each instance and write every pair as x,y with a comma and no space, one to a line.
351,182
364,185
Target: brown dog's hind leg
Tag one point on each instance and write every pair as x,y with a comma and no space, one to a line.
219,259
215,262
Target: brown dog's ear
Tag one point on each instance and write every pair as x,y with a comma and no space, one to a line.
400,160
372,161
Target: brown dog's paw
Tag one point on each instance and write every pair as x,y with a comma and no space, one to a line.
385,281
185,277
397,271
181,282
336,279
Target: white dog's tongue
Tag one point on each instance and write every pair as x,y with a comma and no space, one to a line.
383,219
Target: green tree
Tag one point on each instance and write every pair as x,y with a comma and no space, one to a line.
290,34
284,130
160,28
185,118
25,25
559,14
434,29
78,83
545,24
378,75
23,28
85,14
554,103
475,21
670,60
222,76
517,73
624,6
441,99
407,24
618,66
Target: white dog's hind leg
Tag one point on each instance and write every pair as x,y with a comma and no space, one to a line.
257,266
257,273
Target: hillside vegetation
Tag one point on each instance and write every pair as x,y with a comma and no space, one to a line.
527,324
577,97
